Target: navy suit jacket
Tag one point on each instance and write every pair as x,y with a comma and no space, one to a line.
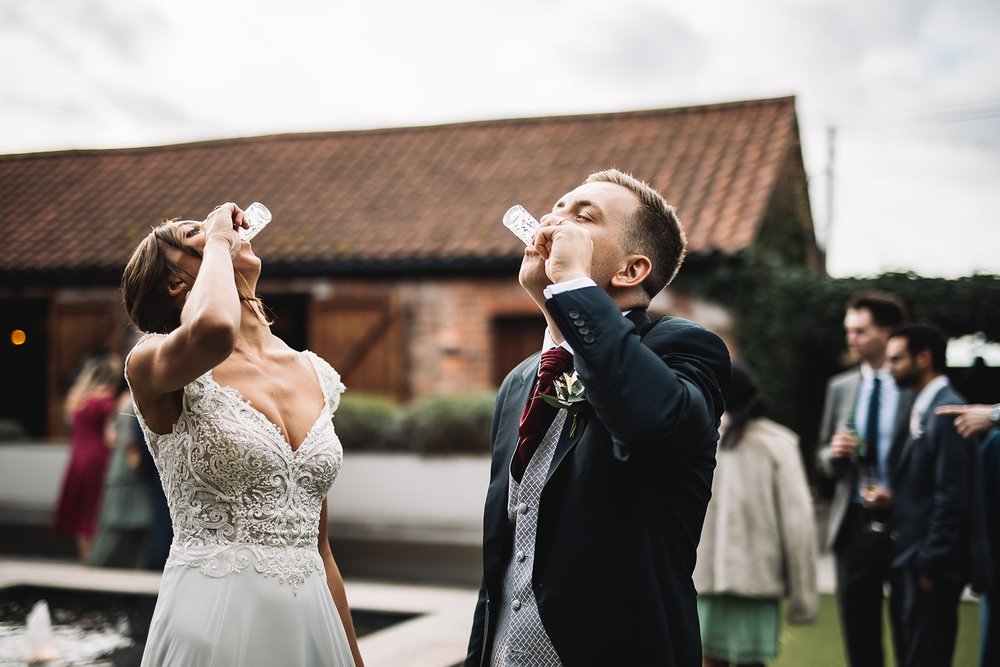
937,518
989,451
624,501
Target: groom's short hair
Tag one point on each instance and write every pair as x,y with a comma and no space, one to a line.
654,230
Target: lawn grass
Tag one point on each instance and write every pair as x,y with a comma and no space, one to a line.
820,645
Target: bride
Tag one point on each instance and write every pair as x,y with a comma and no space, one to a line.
240,427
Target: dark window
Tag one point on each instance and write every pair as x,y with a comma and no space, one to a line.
514,339
24,360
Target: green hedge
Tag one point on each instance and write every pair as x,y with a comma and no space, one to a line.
367,422
450,424
443,424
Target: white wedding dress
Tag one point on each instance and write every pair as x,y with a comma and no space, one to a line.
244,584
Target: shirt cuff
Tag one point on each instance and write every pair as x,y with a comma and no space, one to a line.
566,286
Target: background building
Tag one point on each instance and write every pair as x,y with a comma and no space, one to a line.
386,255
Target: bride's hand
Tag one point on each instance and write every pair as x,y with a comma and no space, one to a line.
223,223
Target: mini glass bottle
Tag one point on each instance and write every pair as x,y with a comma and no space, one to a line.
257,217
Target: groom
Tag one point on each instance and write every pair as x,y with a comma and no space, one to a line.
593,513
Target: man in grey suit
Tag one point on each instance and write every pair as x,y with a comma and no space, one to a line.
937,526
863,404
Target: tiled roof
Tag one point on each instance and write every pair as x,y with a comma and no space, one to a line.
418,195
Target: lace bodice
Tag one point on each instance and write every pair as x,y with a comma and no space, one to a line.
238,495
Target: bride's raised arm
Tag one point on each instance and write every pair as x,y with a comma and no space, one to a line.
186,268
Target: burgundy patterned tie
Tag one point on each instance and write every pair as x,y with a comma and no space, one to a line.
538,415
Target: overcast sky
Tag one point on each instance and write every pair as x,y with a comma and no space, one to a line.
911,86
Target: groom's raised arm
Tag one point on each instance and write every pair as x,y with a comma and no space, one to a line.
666,390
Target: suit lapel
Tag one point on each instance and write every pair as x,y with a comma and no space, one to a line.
904,454
900,429
566,441
510,418
496,535
852,396
925,421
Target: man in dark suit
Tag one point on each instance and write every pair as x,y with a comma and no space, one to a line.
937,528
593,513
863,404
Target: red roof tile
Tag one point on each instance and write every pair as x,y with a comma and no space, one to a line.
424,194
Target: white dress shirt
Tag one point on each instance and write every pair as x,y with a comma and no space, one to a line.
888,405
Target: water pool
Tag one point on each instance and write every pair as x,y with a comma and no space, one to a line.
100,629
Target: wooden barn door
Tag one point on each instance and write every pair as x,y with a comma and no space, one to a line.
364,339
515,338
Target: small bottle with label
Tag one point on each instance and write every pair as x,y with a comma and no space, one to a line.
521,223
257,217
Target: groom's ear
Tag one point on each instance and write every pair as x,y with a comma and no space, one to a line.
634,271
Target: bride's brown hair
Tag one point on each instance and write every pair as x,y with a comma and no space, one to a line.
148,271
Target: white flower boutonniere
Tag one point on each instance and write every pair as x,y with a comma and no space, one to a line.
570,395
916,424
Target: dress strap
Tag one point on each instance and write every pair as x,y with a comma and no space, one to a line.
329,380
128,356
151,436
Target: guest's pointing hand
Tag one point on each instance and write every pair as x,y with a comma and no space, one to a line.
970,420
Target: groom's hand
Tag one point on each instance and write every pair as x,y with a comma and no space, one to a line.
566,247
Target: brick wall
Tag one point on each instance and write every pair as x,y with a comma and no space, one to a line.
448,340
451,346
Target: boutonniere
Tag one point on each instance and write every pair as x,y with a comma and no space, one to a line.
570,395
916,424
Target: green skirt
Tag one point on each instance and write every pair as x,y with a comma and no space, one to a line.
738,629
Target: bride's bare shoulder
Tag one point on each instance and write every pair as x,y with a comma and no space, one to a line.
139,360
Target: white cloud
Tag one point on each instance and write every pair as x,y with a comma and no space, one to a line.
922,203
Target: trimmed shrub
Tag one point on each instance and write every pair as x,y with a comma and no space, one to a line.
367,422
449,424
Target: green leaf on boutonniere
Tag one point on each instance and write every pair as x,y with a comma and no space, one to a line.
570,395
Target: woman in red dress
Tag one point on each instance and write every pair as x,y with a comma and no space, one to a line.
88,406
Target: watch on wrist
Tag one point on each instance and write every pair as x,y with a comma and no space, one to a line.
995,414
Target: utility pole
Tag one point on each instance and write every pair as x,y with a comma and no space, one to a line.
831,138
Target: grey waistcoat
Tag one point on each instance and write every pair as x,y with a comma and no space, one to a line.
521,641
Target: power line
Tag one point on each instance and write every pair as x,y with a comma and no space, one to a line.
947,114
943,115
60,108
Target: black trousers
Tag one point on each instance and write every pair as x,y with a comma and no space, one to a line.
926,621
862,559
989,629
